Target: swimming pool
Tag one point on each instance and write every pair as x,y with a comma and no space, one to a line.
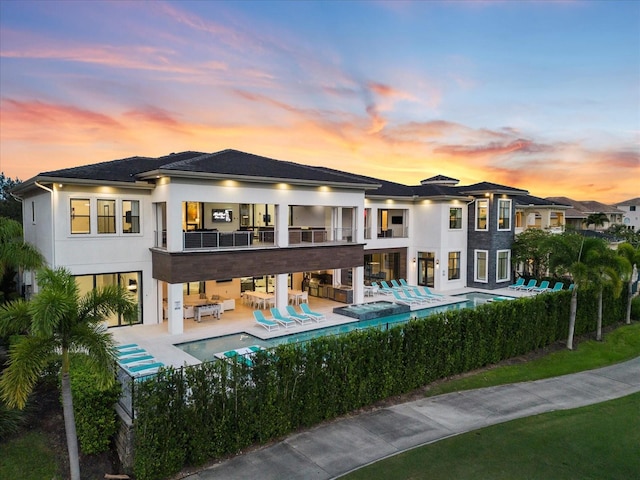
205,350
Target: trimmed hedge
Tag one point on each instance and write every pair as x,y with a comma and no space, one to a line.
197,414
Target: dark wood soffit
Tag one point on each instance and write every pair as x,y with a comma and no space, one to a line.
182,267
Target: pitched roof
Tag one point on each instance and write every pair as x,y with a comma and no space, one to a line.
488,187
584,208
224,164
631,201
530,200
441,179
123,170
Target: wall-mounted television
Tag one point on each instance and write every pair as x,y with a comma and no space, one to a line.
221,215
396,220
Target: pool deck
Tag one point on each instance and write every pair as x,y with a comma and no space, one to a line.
157,341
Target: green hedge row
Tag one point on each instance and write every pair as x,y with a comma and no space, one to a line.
198,414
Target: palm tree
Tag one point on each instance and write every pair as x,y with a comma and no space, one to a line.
631,258
59,322
597,220
568,253
605,267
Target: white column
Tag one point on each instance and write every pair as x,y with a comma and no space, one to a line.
358,284
282,293
282,225
175,308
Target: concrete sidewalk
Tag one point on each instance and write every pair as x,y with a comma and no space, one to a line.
336,448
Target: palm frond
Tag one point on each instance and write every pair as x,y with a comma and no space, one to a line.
97,343
14,318
28,357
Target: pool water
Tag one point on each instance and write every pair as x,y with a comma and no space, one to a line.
205,350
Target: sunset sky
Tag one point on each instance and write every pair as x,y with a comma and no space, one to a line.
541,95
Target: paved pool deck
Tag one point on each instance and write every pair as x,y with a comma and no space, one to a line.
339,447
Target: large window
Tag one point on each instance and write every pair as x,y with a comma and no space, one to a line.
454,265
481,266
482,214
504,214
106,216
455,218
80,215
128,280
130,216
503,262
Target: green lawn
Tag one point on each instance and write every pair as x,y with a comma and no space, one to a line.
619,345
595,442
28,457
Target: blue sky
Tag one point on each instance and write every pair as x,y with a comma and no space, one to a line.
538,95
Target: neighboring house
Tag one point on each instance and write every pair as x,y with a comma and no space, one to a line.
190,226
631,213
576,216
535,212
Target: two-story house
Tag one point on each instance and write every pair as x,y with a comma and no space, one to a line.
194,225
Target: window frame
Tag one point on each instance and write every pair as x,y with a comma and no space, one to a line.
123,217
73,215
507,278
476,270
455,223
479,202
108,220
499,216
455,266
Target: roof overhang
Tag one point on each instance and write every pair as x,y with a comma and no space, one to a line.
32,183
154,174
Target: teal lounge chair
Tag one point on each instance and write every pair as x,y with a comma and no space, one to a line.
404,300
412,296
385,289
396,285
128,346
318,317
261,320
234,355
519,283
131,352
419,294
298,317
429,292
544,286
286,322
144,368
529,286
572,286
135,359
557,287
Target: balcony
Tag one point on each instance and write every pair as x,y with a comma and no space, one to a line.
264,237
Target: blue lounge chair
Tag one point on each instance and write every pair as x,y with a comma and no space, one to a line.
396,285
429,292
286,322
404,300
298,317
385,289
131,352
318,317
519,283
544,286
234,355
404,283
128,346
557,287
144,367
261,320
529,286
412,296
135,359
419,294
